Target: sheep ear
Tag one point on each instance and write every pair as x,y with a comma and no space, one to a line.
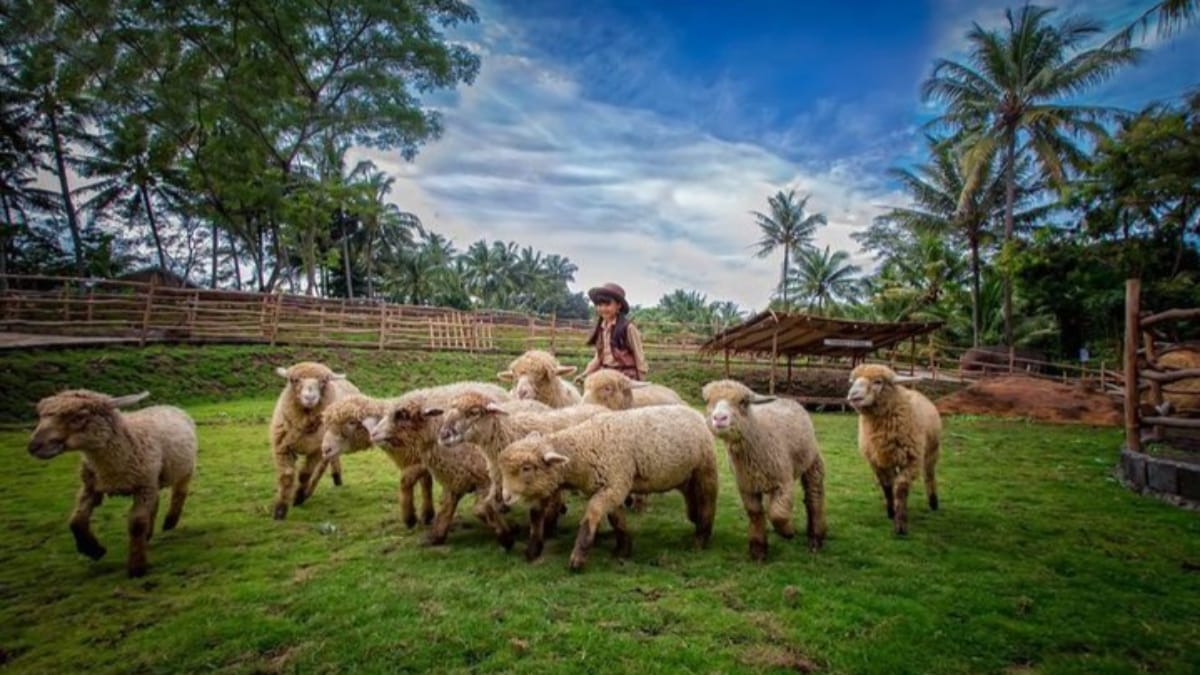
552,458
432,412
122,401
759,400
533,435
281,371
505,376
638,384
495,409
904,379
565,370
369,423
338,376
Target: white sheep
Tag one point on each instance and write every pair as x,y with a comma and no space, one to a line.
612,455
492,425
771,444
537,375
137,453
899,434
614,390
296,430
411,423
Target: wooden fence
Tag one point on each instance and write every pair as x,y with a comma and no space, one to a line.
1144,372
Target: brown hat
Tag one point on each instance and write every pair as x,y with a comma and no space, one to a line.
612,292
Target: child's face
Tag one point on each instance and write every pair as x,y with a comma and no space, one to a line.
607,308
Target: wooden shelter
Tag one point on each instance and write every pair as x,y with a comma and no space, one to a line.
792,334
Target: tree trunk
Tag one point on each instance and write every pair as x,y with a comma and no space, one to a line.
975,289
162,257
370,267
346,262
68,203
215,245
783,277
1010,197
237,267
9,227
1183,222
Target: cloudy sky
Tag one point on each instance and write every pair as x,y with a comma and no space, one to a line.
635,137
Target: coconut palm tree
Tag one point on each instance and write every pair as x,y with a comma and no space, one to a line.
824,280
1169,15
1005,100
788,227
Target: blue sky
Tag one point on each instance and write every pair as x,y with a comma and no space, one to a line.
636,137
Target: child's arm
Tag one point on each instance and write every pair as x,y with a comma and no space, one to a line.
634,337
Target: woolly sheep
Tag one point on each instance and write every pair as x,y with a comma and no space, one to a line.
411,422
347,425
538,376
612,455
296,430
137,453
492,425
770,443
899,433
614,390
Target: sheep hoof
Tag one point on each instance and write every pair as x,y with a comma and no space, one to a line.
891,513
300,497
933,503
136,571
532,553
435,540
337,479
427,518
280,511
758,550
816,543
576,565
93,551
507,540
410,521
901,530
170,522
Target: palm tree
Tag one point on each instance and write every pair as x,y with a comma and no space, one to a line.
1003,101
686,307
1169,15
824,279
787,227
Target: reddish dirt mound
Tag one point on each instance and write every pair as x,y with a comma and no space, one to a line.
1042,400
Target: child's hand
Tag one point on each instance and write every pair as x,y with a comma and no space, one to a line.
579,379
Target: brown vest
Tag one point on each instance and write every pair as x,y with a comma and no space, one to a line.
626,362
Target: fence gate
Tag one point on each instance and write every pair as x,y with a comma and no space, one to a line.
459,331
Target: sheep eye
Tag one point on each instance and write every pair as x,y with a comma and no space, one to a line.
294,382
878,380
526,468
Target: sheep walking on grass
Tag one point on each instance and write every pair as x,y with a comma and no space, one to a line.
771,444
899,433
296,430
347,426
537,375
411,422
611,456
492,425
137,454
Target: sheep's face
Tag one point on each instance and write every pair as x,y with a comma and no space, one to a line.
346,436
530,470
308,382
532,372
404,423
610,389
868,383
76,420
729,403
468,419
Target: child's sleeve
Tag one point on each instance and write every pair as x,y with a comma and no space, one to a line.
634,336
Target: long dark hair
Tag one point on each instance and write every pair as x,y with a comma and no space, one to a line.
619,333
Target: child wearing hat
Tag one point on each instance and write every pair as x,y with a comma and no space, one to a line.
617,341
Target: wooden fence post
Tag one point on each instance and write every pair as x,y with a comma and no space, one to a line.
553,330
774,356
91,299
275,317
66,301
382,322
912,356
1133,290
146,313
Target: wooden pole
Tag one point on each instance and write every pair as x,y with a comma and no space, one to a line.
275,317
66,301
1133,290
553,330
790,358
382,323
146,313
431,341
1012,359
1156,395
90,300
726,362
774,356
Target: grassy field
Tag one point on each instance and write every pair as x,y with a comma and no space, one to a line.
1038,562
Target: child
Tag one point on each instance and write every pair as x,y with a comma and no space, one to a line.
617,341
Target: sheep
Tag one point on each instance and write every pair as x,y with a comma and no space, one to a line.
137,453
491,426
538,376
295,430
347,425
612,455
411,422
899,431
770,443
613,390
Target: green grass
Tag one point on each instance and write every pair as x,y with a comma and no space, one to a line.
1038,561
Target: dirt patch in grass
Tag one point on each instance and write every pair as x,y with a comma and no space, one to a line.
1032,398
775,656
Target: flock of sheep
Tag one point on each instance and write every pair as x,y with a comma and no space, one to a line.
618,441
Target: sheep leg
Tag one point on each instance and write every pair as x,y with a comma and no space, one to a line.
598,506
554,508
285,469
304,483
141,519
813,481
624,547
758,524
310,485
427,512
930,479
445,517
485,510
179,493
81,520
903,481
539,513
408,478
885,483
335,467
704,495
779,511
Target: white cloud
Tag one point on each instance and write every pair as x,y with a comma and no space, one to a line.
628,195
